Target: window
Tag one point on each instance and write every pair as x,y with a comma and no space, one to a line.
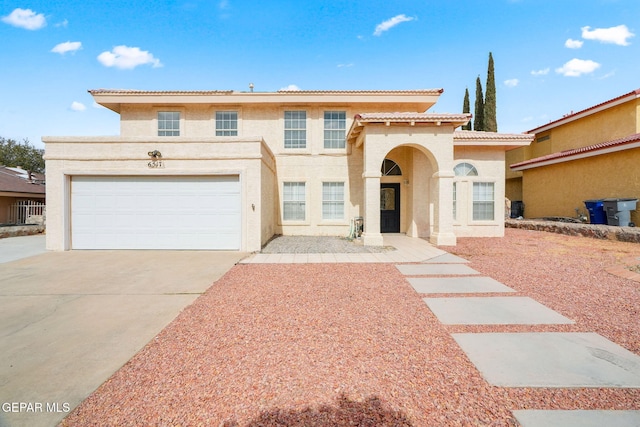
389,167
483,201
455,200
333,200
293,201
226,123
465,169
335,128
295,129
168,123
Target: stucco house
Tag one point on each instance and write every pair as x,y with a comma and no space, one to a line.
228,170
588,155
20,190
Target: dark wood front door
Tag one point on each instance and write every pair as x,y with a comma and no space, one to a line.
389,208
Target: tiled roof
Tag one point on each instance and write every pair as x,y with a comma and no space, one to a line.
284,92
588,111
364,92
465,135
630,141
414,117
15,181
157,92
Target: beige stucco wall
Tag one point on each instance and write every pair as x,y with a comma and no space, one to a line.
489,162
72,156
556,190
613,123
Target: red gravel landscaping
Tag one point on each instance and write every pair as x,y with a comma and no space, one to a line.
354,344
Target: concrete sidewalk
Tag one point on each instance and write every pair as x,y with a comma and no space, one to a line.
15,248
69,320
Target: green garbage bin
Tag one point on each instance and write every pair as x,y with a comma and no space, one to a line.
619,210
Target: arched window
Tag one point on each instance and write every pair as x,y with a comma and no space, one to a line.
465,169
389,167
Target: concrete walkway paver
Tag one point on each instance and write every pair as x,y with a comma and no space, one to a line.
456,285
577,418
493,311
435,269
446,259
551,359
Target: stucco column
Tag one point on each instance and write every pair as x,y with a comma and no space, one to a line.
443,222
372,235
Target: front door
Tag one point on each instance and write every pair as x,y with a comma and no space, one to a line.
389,208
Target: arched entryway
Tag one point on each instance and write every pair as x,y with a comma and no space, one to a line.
406,191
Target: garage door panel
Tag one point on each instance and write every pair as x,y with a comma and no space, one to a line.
156,212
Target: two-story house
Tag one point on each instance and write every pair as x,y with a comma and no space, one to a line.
228,170
588,155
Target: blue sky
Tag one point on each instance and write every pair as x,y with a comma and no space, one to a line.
551,56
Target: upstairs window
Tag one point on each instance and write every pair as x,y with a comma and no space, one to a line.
168,123
226,123
295,129
335,129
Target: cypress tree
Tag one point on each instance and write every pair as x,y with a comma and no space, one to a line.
478,123
466,108
490,120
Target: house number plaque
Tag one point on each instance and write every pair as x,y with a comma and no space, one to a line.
155,164
156,160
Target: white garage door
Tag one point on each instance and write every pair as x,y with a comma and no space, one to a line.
200,212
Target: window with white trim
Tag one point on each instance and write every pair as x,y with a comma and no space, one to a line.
293,201
335,129
168,123
333,200
295,129
483,201
455,200
226,123
465,169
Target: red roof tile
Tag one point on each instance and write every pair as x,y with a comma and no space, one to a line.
578,152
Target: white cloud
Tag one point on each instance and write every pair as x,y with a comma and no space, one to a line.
345,65
127,58
62,24
390,23
290,87
573,44
77,106
65,47
577,67
542,72
511,82
616,35
25,18
609,74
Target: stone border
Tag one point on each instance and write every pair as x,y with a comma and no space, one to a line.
21,230
596,231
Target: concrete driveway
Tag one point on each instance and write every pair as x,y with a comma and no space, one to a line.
69,320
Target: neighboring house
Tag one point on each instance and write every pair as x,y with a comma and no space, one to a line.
17,189
589,155
228,170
